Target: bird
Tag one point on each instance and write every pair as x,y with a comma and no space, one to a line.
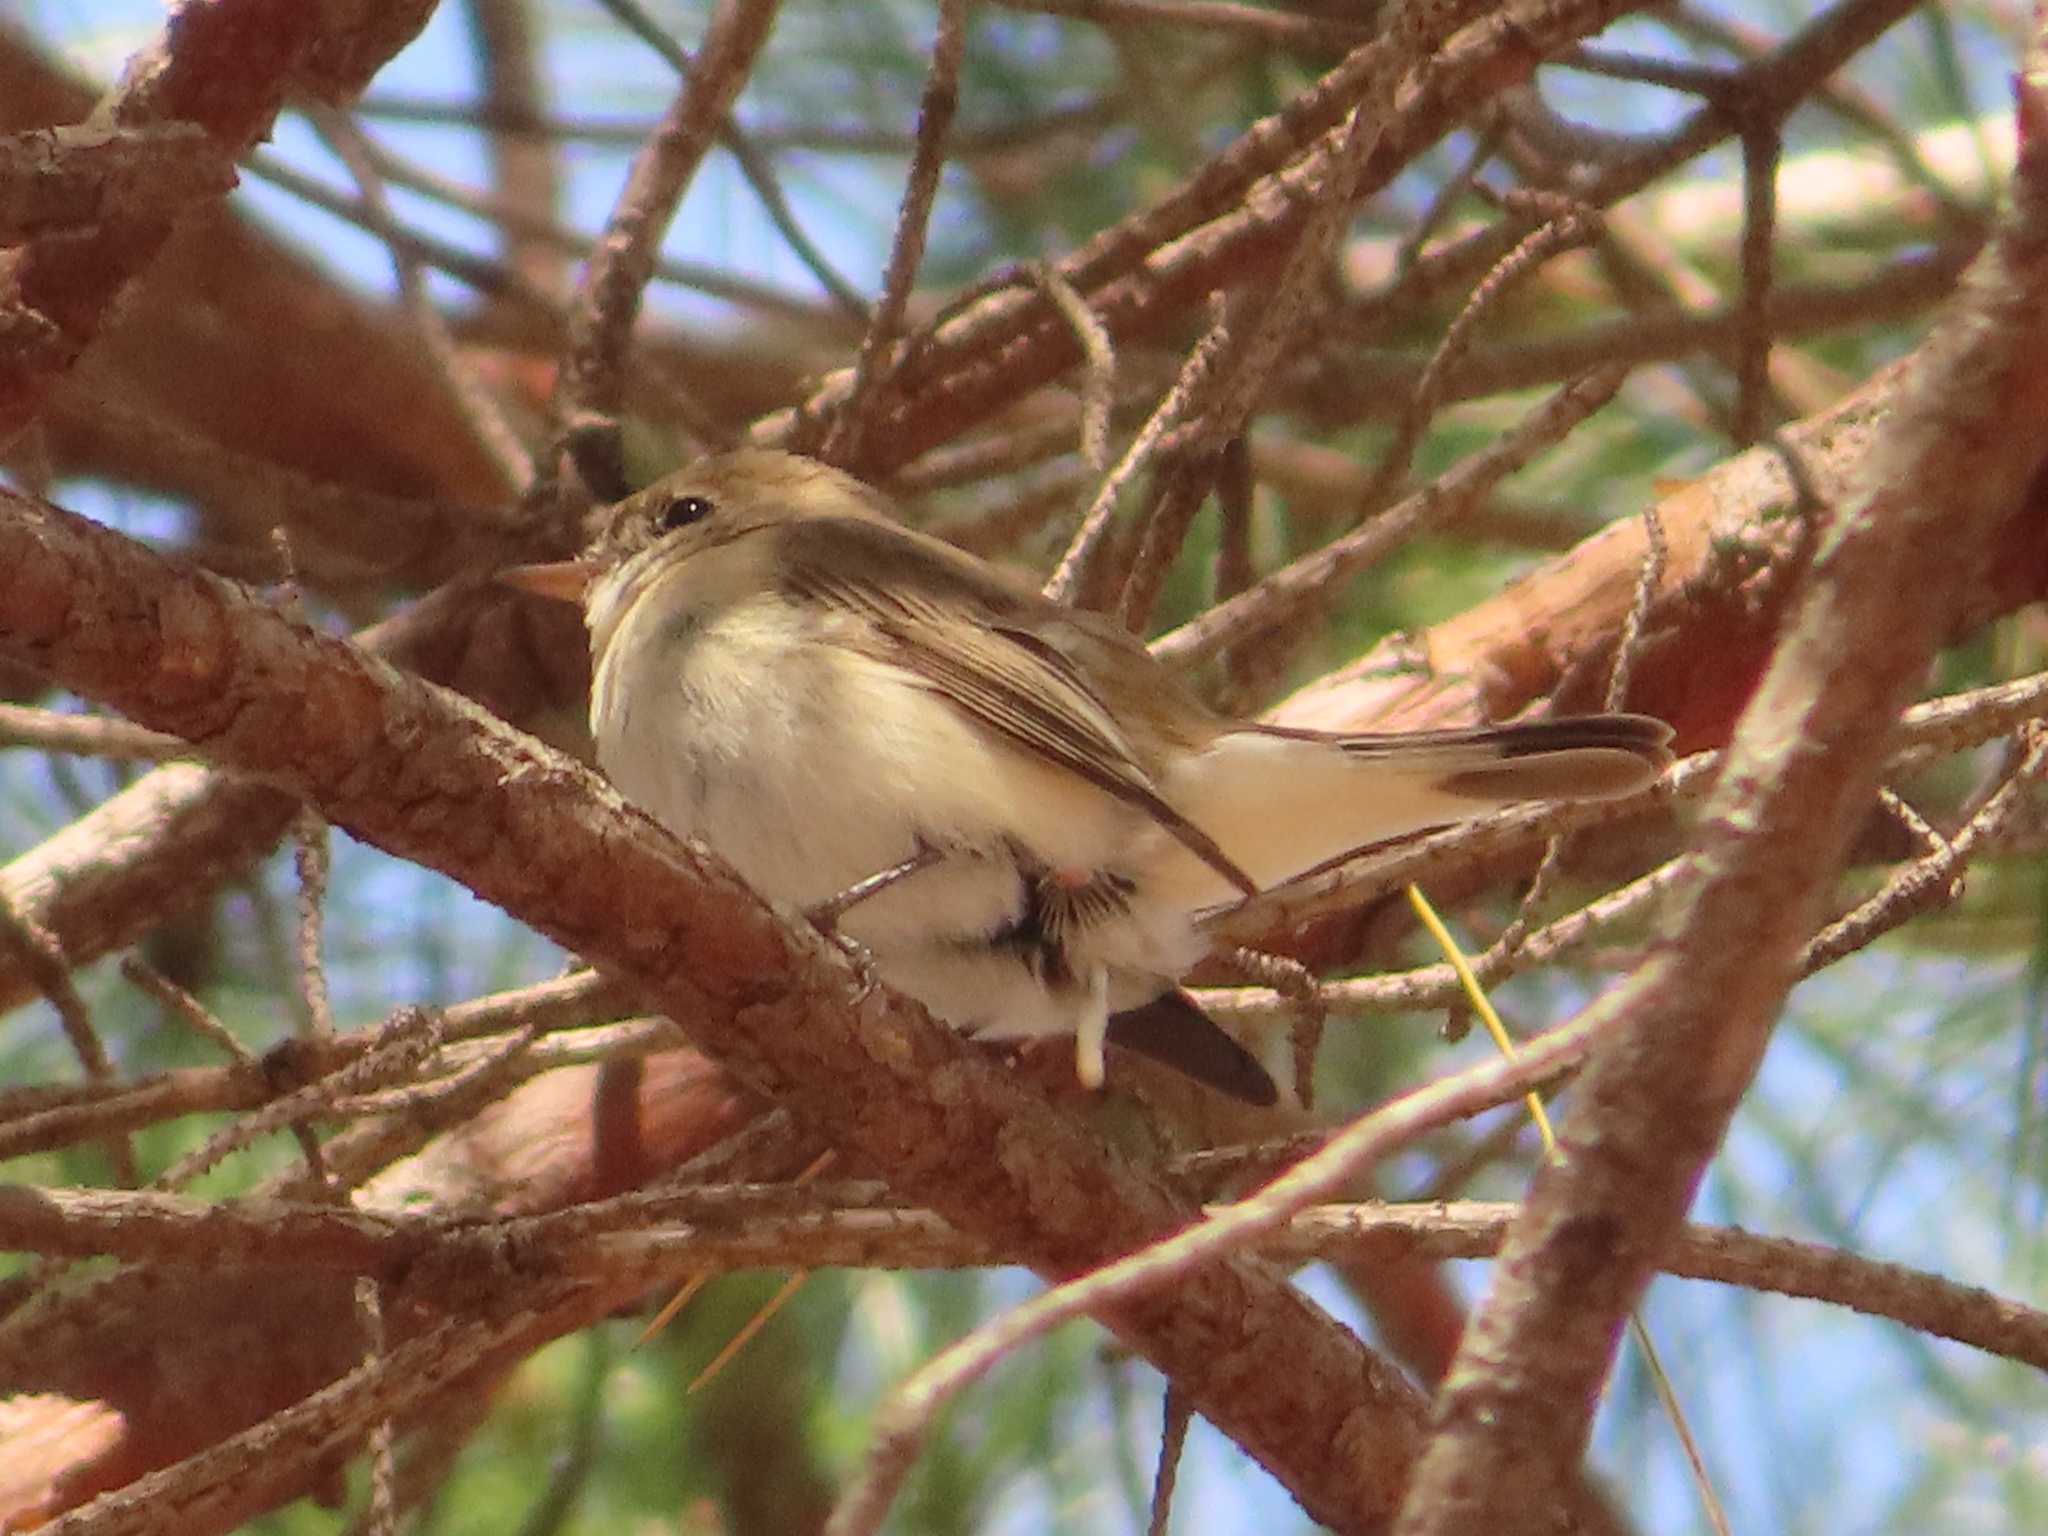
1016,810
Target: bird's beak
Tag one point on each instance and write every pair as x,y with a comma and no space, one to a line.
562,580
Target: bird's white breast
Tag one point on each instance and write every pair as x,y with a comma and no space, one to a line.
810,766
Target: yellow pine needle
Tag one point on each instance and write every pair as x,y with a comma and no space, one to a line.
1667,1394
753,1325
667,1314
1504,1043
1482,1005
697,1283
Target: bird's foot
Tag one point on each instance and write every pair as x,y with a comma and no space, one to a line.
826,914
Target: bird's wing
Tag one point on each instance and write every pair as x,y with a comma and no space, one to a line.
977,643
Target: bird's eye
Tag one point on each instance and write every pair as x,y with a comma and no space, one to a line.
680,512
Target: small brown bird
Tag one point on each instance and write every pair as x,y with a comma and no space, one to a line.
1032,811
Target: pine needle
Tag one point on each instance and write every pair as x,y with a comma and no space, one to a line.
1667,1394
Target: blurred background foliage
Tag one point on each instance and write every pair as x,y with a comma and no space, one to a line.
1901,1110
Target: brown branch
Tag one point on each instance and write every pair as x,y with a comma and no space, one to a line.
754,166
1824,45
1098,386
654,1236
1892,574
1565,227
213,344
148,854
1252,336
213,1351
1218,16
175,835
224,67
1936,878
1762,152
50,730
506,38
44,959
1282,592
1376,383
235,1479
41,1118
1246,203
346,536
425,775
1069,581
1178,1260
608,299
935,111
59,179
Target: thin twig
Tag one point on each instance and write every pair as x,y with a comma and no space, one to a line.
754,166
479,408
485,1066
1649,580
1566,228
1458,489
903,1422
221,1484
1762,148
935,110
1217,16
1437,986
1178,1414
650,1236
1485,145
398,1050
1098,362
499,280
381,1517
312,858
1070,575
1229,369
608,299
44,959
508,40
1178,493
185,1008
850,138
1934,880
41,1119
50,730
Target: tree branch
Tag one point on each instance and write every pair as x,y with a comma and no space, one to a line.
224,67
1901,554
428,776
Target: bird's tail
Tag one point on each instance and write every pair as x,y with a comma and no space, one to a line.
1282,801
1581,757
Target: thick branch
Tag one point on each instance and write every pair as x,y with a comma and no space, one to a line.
430,777
224,67
1897,565
656,1237
212,349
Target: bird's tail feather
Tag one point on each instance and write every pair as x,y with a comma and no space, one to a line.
1172,1030
1583,757
1280,801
